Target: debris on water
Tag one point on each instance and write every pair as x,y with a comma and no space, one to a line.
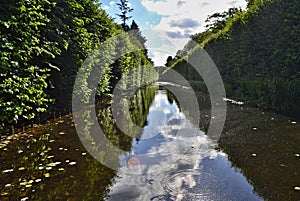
9,170
297,155
23,183
254,154
61,133
8,185
28,185
24,199
52,164
297,188
38,180
72,163
282,165
61,169
233,101
272,118
61,149
50,156
20,151
48,168
4,193
254,128
51,141
83,154
149,181
47,175
65,149
57,163
67,161
293,122
40,168
21,168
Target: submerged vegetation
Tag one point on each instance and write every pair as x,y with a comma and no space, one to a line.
256,52
43,44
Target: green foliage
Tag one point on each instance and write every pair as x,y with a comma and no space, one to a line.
23,65
257,54
44,43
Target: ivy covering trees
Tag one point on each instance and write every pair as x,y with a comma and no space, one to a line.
256,52
43,43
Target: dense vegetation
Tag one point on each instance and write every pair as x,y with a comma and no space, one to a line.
43,44
256,52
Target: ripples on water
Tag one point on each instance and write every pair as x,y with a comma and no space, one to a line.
179,160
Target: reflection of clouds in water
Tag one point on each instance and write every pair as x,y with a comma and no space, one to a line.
182,148
169,158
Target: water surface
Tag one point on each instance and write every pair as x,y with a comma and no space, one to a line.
170,159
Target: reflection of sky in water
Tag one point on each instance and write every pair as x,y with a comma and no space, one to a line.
177,163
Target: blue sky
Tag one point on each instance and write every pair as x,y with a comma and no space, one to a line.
167,24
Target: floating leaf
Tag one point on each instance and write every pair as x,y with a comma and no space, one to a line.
57,163
4,193
9,170
21,168
47,175
72,163
38,180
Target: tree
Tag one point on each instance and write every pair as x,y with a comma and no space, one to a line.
169,61
217,21
135,31
125,10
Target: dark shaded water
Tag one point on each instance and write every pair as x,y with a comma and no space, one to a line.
259,161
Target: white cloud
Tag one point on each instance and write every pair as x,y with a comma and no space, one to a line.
112,3
182,18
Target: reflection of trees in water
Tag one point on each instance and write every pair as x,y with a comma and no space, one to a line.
140,104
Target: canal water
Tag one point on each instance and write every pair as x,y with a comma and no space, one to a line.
171,158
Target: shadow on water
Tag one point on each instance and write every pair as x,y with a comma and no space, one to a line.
170,159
